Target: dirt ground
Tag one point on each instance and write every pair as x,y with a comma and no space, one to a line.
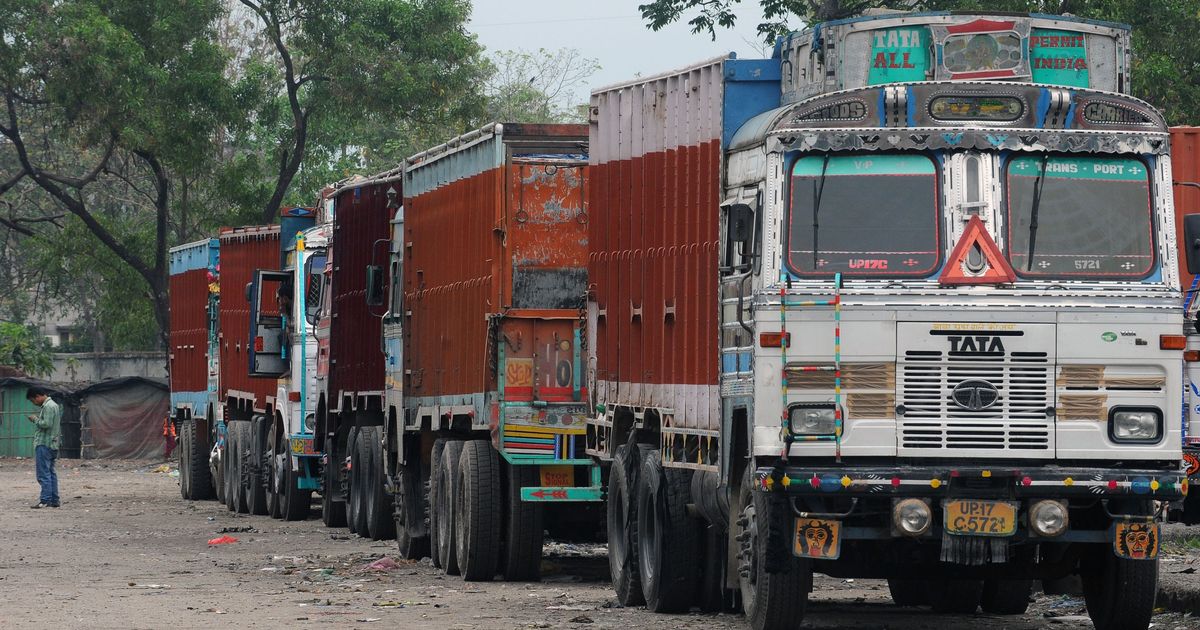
125,551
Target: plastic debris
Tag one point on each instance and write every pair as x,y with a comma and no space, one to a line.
581,619
383,564
162,469
223,540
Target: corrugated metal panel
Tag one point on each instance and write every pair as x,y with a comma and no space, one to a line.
473,227
656,162
243,250
361,230
16,431
188,285
1185,167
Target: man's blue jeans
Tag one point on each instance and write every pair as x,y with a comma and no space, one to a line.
44,456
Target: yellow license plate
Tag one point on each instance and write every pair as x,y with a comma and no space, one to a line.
1135,540
557,476
980,518
817,538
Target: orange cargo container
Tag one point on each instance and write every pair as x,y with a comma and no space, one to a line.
495,235
1185,171
243,250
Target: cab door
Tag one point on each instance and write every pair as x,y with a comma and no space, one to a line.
268,292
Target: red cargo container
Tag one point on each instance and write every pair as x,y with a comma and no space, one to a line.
361,228
495,223
243,250
188,288
656,165
1185,171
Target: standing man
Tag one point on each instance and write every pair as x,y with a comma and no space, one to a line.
45,444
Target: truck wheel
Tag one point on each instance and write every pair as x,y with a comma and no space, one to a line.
521,559
240,482
360,462
711,595
435,489
448,483
954,595
772,601
380,523
1006,597
276,461
622,526
333,512
255,465
908,591
408,517
185,460
477,511
1119,592
668,539
200,480
217,471
229,474
351,454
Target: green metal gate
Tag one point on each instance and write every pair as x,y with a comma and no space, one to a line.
16,431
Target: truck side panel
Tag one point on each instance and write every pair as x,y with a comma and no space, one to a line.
1185,170
360,233
189,281
243,250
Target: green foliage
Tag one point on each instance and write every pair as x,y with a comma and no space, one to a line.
723,13
23,348
539,87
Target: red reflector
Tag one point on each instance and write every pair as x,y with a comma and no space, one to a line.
1191,356
294,396
774,339
258,344
1172,342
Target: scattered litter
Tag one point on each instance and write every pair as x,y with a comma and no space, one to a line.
338,537
581,619
368,619
569,607
1070,619
173,473
383,564
215,610
212,518
162,469
235,530
149,586
223,540
389,605
1068,602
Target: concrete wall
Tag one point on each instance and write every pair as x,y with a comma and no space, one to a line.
97,366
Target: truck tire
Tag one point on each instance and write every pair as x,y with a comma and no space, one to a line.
435,489
954,595
521,558
448,481
360,462
185,460
380,520
410,512
478,511
908,591
333,511
230,472
351,486
711,594
218,474
772,601
276,459
668,539
1119,592
200,482
1005,597
240,431
255,465
622,516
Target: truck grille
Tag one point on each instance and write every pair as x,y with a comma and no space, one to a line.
1017,421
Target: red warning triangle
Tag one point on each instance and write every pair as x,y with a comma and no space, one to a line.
996,268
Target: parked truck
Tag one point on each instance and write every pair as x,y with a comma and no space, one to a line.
900,302
219,402
1185,147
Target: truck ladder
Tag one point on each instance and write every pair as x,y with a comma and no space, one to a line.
785,424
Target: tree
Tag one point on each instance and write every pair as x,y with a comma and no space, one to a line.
1166,53
341,70
103,103
23,348
538,87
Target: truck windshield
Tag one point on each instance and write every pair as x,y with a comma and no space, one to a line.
1092,217
864,215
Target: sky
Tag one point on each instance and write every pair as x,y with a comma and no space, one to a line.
611,32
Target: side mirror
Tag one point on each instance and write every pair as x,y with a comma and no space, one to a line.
250,292
1191,242
374,285
741,223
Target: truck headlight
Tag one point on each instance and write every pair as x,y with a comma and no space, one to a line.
818,419
1048,518
310,422
912,516
1135,424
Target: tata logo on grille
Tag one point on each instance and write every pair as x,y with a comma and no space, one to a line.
975,395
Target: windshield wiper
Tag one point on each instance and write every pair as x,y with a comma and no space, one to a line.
818,190
1033,210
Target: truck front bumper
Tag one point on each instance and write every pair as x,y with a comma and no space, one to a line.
967,481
